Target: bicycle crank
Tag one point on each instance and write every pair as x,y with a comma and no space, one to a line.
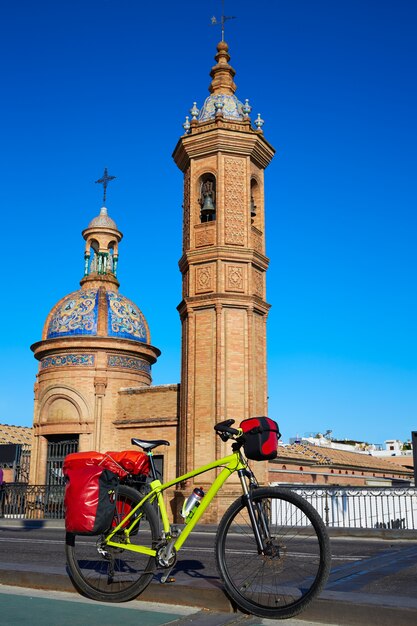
166,556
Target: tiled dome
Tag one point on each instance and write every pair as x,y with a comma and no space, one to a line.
230,106
77,314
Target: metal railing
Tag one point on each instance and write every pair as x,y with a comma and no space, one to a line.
23,501
16,457
341,507
363,507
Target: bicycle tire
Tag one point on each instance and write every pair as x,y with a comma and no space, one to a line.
283,583
90,569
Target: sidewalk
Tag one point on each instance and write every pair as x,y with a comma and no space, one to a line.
379,589
23,606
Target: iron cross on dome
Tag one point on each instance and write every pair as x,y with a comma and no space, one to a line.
104,180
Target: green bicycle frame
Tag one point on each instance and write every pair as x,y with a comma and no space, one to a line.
231,464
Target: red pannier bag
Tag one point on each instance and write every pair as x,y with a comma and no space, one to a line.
133,461
91,486
138,465
261,436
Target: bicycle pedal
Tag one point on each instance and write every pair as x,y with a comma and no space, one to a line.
166,578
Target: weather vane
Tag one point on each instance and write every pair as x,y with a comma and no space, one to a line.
215,22
104,180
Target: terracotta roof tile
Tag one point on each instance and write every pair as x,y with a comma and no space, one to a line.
15,434
316,455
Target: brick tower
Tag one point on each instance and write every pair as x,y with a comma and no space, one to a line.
223,266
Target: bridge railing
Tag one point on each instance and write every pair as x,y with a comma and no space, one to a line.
363,507
23,501
340,507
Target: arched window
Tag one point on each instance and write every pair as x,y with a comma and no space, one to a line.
255,200
112,258
100,262
91,258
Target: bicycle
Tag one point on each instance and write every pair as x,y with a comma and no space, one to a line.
272,550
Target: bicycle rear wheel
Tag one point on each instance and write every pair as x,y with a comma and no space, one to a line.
282,581
113,574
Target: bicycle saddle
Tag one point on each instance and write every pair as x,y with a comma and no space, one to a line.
149,445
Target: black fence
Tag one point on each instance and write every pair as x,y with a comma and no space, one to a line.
342,507
23,501
16,457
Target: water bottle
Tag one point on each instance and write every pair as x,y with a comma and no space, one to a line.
191,503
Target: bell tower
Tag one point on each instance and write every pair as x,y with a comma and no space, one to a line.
224,310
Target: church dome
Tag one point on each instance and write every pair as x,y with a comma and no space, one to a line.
103,220
229,105
97,311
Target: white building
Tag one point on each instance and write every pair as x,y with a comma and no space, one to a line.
393,447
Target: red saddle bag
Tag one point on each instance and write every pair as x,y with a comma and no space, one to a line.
261,436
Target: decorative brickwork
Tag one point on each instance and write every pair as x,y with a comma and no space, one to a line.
234,278
204,279
256,239
204,235
186,285
257,283
234,201
186,208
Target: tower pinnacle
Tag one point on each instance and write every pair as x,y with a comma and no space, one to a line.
222,73
222,106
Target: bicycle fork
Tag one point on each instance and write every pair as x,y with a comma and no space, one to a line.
256,514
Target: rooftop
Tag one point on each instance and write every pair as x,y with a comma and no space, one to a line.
15,434
315,455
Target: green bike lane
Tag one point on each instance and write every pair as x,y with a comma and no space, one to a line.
41,608
53,608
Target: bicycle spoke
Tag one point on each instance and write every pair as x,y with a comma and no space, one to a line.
290,571
110,573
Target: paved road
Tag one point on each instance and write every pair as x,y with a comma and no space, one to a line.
372,580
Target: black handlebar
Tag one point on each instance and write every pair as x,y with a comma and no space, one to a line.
223,429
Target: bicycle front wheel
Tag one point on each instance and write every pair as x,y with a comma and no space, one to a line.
113,574
295,564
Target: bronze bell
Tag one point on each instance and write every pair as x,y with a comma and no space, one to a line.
208,209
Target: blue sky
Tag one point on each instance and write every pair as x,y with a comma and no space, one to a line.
88,84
